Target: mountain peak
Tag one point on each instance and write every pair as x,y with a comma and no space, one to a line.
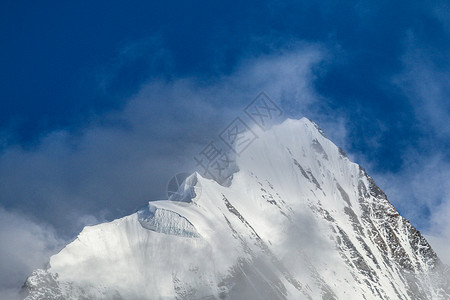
298,220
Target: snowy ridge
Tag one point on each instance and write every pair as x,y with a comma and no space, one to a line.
298,221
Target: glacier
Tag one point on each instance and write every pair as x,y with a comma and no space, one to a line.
298,220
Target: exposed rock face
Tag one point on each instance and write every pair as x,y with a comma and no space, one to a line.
298,221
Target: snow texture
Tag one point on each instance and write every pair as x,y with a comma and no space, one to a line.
299,220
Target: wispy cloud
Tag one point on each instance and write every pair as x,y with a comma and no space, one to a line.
124,158
425,83
24,246
421,192
421,188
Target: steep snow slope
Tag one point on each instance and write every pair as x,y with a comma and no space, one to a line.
298,221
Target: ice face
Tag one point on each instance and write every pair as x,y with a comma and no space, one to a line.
166,221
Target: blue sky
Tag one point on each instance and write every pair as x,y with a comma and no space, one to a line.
102,102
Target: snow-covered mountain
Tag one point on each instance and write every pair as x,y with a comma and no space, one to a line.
299,220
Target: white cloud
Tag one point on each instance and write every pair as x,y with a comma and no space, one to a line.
424,180
420,191
24,246
125,158
439,232
426,85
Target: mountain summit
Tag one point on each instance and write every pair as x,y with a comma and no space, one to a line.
299,220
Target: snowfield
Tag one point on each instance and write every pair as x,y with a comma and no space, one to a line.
298,221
